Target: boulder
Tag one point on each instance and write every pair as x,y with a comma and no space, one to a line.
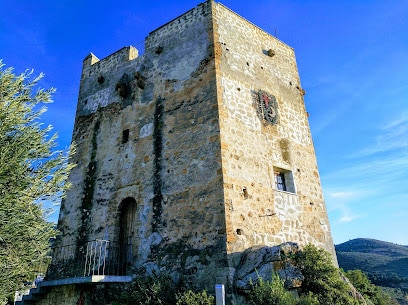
262,261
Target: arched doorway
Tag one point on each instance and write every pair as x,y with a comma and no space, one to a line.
127,219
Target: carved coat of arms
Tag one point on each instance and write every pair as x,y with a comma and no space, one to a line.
268,107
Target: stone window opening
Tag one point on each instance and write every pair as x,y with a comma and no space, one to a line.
125,136
283,180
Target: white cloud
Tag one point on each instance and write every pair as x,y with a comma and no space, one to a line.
339,203
342,213
402,120
341,194
393,136
347,218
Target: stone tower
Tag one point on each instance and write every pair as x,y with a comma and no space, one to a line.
189,154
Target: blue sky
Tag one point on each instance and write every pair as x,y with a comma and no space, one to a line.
353,61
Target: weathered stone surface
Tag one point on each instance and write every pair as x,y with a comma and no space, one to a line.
261,261
177,132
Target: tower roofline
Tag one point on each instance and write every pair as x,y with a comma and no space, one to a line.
185,13
254,25
226,7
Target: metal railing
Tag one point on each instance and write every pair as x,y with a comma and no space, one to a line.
96,257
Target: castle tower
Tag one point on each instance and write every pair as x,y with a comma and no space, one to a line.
189,154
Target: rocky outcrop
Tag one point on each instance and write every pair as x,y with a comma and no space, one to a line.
262,261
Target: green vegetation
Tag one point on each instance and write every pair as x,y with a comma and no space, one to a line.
32,173
322,278
366,245
191,298
274,292
323,284
369,291
161,290
155,290
384,263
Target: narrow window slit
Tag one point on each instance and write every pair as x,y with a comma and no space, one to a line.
125,136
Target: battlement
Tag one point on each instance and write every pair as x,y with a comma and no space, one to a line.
92,63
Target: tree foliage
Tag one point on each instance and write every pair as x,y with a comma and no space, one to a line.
322,278
194,298
323,284
271,292
374,293
32,173
153,290
161,290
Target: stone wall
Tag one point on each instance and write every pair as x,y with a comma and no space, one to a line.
96,294
252,149
170,161
178,133
63,295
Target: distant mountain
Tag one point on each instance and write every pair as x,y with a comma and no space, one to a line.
385,264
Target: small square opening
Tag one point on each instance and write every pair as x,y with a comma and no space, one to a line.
125,136
283,179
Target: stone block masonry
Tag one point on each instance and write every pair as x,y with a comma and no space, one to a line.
192,153
253,150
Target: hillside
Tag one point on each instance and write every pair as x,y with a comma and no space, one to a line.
386,264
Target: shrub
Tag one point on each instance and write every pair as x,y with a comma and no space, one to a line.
374,293
161,290
155,290
271,293
308,299
191,298
322,278
361,283
274,293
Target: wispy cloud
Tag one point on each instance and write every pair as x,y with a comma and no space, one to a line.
393,136
347,218
368,178
371,182
340,206
342,194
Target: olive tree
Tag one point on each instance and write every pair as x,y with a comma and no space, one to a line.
32,175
